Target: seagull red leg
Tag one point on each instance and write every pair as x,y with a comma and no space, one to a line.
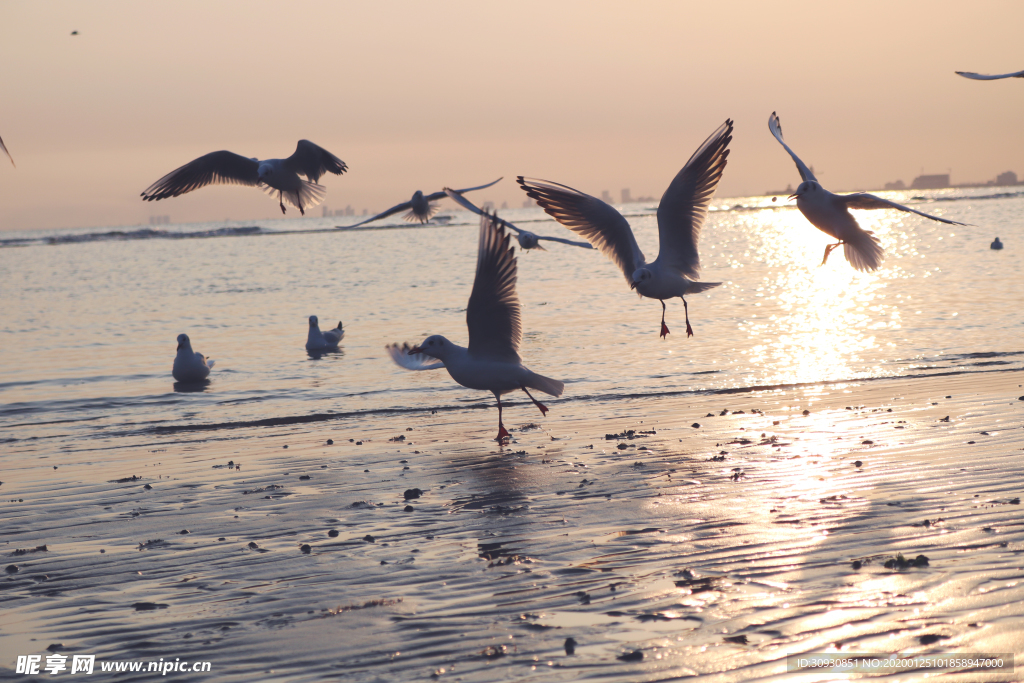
280,200
686,312
828,250
543,408
664,327
503,434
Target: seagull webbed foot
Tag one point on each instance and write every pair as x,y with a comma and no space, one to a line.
664,329
828,250
503,435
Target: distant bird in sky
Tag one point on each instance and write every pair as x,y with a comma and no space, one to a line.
527,239
323,341
4,148
491,363
421,207
985,77
830,212
681,214
74,33
189,365
270,175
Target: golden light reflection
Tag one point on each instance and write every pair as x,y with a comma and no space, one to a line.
810,322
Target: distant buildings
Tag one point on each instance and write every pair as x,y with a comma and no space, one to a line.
930,182
606,197
626,197
347,211
898,185
159,220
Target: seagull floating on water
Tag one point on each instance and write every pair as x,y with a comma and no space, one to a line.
421,207
527,239
830,212
491,363
985,77
270,175
4,148
681,214
189,365
323,341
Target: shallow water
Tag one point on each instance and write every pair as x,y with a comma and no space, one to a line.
713,546
89,327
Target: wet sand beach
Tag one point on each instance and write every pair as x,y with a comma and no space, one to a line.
701,534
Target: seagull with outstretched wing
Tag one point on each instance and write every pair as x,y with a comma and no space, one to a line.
681,215
527,240
421,207
830,212
270,175
491,362
986,77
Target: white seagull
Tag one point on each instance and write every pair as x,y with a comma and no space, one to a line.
986,77
323,341
830,212
527,239
491,363
681,214
421,207
189,365
4,148
270,175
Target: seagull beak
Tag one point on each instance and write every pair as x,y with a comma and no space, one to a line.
793,196
632,285
414,350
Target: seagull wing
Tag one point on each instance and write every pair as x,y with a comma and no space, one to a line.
416,361
442,193
313,161
4,148
684,206
466,204
495,328
585,245
985,77
404,206
863,200
776,128
588,217
215,168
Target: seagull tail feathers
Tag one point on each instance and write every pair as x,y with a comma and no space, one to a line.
697,287
545,384
863,251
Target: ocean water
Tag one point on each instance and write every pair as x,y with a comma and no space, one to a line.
90,317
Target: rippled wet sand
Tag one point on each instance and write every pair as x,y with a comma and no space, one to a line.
670,550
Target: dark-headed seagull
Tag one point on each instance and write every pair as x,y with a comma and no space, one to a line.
681,214
527,240
323,341
830,212
491,362
421,207
270,175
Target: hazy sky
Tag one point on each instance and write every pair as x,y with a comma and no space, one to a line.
418,95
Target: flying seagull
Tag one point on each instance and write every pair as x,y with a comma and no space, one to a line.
491,363
270,175
681,214
189,365
830,212
986,77
4,148
323,341
421,207
527,239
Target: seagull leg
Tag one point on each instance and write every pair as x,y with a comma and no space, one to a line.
298,200
543,408
664,327
828,250
503,434
686,312
280,200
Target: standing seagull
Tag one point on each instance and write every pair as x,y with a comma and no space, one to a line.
527,240
830,212
421,207
985,77
189,365
4,148
681,214
491,362
323,341
270,175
